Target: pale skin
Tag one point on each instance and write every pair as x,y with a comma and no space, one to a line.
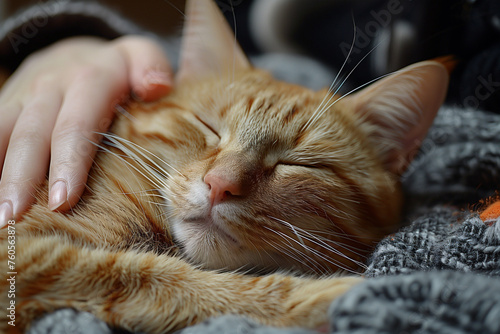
55,103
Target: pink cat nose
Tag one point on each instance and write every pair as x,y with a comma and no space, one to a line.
221,187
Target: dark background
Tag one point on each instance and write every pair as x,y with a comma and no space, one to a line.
157,15
467,29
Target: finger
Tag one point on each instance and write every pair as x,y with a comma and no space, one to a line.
87,109
150,73
8,117
27,158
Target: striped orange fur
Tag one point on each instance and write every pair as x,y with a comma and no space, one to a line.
310,183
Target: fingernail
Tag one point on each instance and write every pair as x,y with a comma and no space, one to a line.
58,195
6,213
158,78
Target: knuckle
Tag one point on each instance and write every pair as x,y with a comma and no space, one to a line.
12,183
67,164
29,137
43,82
129,44
91,72
88,72
70,161
9,185
74,146
130,40
30,129
69,128
32,59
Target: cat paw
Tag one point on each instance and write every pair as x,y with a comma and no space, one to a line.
308,303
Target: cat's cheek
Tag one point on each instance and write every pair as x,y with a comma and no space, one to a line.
186,239
191,242
180,235
198,194
196,248
189,199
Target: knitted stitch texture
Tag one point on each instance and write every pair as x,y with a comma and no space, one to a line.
438,240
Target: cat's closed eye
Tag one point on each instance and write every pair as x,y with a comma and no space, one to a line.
302,164
208,126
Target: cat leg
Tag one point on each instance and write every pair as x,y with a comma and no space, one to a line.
155,293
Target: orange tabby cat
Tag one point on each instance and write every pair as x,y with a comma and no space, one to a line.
233,170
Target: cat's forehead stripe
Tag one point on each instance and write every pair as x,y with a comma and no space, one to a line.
291,114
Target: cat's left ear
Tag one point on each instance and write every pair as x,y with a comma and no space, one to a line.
398,110
209,47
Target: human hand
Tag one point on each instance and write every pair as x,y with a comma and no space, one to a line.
53,105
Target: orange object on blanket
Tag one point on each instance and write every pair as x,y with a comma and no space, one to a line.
492,212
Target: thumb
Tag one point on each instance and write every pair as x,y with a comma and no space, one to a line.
149,72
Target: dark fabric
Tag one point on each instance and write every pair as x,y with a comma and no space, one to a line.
480,80
439,240
391,34
425,302
47,22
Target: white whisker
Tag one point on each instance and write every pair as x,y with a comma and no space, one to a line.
310,237
128,163
109,135
309,262
318,254
330,89
160,176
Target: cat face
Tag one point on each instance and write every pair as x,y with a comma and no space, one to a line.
265,187
265,174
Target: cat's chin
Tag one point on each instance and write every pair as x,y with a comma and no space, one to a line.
206,242
211,245
207,227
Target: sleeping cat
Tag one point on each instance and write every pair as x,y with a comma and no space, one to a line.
232,171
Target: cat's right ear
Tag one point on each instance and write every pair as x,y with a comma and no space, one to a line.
209,47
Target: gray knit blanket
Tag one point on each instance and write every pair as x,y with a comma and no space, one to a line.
438,274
